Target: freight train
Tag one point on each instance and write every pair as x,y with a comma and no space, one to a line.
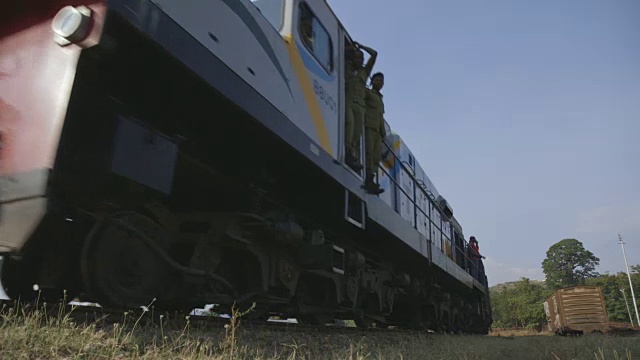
182,153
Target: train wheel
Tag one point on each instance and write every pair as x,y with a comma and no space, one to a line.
363,321
17,280
315,319
260,312
119,267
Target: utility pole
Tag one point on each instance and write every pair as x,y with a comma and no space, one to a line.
633,296
627,303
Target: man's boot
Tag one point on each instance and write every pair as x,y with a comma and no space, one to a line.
372,187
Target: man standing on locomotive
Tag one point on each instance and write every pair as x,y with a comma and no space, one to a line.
375,132
355,89
477,268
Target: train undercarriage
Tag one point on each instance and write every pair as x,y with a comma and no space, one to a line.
166,193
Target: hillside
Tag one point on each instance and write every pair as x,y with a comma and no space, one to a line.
499,287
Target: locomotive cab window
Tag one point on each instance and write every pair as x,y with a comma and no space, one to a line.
315,37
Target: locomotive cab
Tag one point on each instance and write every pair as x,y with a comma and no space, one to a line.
317,43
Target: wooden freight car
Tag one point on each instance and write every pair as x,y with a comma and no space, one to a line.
576,309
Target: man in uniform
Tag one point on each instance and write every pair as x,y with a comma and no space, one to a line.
355,89
375,132
477,268
306,28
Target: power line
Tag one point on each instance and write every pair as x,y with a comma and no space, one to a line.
624,254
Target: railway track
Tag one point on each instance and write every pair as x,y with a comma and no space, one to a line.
105,318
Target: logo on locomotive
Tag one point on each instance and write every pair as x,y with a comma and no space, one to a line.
324,95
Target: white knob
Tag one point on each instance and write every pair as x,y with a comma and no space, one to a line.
71,24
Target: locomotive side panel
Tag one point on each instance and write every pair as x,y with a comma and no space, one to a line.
405,199
387,171
299,80
436,233
312,43
422,215
405,171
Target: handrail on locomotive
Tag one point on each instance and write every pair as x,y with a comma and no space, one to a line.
465,263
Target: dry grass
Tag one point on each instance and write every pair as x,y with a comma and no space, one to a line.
518,332
30,335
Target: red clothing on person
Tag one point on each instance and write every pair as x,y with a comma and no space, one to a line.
476,250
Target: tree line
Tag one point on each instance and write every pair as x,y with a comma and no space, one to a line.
520,304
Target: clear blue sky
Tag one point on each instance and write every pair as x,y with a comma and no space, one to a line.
525,115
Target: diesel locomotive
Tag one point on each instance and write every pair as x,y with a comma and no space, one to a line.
182,153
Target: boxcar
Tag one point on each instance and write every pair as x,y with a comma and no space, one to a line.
576,309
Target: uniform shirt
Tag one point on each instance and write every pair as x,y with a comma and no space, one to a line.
374,115
356,88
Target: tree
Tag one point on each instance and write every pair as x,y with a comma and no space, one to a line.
519,304
528,303
568,263
613,297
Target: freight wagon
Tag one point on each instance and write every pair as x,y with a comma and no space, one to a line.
576,309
